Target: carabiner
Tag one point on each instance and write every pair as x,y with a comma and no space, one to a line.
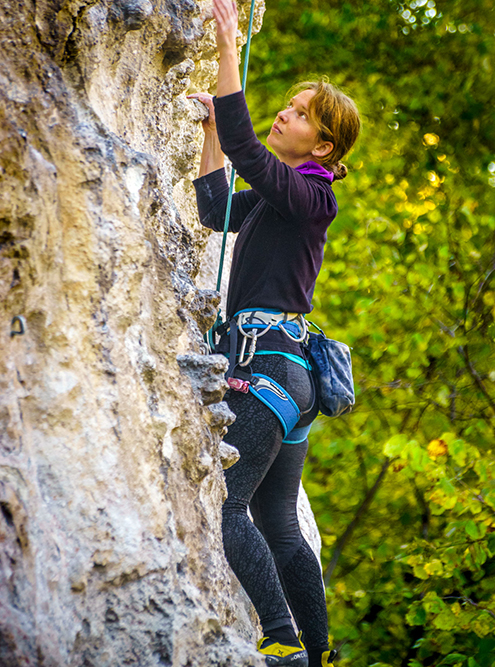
303,326
261,333
252,349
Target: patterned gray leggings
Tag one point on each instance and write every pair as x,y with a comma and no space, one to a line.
271,558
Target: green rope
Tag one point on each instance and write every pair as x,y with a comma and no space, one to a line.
232,177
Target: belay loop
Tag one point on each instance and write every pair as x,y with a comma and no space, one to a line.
210,335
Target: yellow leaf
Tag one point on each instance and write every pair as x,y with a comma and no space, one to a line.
489,298
430,139
434,567
437,448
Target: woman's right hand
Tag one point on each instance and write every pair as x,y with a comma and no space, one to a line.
208,123
225,13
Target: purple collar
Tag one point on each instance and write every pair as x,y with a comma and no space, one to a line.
314,169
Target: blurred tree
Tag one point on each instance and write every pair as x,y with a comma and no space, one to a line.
404,487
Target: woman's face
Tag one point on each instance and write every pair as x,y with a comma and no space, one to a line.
294,136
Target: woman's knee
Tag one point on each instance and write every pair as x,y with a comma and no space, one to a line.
281,531
234,505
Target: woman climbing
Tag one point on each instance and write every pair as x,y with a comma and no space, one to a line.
281,223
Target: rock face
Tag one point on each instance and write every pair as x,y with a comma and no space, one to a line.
111,423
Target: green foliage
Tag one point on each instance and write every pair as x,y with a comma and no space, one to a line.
404,487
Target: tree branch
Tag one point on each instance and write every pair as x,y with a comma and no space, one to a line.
425,510
485,281
463,351
342,541
471,602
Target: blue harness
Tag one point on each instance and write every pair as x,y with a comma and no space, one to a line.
267,390
275,397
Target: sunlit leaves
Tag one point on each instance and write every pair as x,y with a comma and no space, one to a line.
409,282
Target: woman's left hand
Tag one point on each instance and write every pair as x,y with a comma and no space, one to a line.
225,13
208,123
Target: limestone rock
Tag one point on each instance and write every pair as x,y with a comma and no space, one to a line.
111,425
228,455
206,373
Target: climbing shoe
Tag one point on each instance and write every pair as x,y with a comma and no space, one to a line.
281,654
327,657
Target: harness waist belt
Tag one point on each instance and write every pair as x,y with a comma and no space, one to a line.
253,324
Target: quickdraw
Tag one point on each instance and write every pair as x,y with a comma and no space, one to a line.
256,319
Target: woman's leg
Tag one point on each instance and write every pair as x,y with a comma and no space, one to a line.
274,509
257,434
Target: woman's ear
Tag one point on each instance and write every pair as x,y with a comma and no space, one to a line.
323,149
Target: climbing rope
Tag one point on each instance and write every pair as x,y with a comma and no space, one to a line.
232,176
232,181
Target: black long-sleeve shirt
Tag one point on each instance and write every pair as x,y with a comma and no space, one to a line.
281,222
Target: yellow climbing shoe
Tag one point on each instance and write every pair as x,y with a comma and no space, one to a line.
279,654
327,657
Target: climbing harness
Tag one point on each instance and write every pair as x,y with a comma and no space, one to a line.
260,322
256,323
275,397
253,324
329,361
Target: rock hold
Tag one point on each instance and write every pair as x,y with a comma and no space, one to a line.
132,13
206,374
219,416
186,30
228,455
204,308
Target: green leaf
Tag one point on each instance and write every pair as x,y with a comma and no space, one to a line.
445,621
447,486
472,529
433,603
417,615
395,445
453,658
458,451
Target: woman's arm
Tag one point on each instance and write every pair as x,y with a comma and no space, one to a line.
212,157
291,193
295,196
229,81
212,194
225,12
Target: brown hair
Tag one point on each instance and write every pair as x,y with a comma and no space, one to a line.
337,120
